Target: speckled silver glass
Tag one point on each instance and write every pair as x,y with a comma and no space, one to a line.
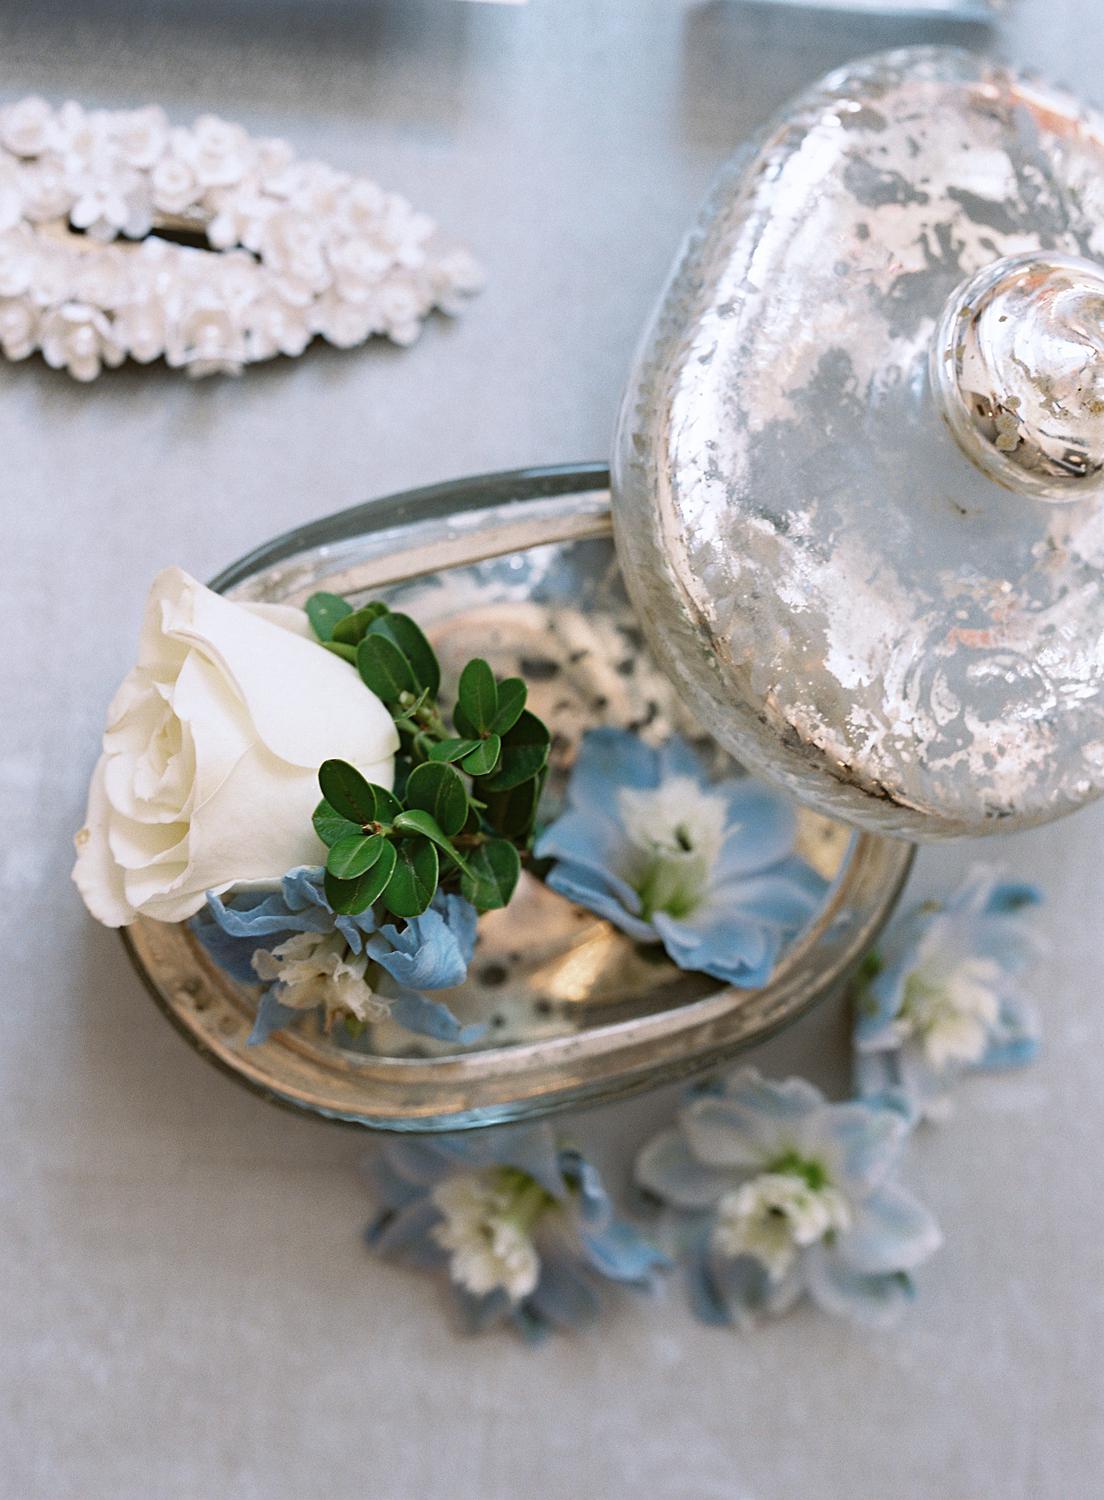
519,568
858,473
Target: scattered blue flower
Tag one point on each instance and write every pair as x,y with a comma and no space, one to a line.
524,1230
777,1193
706,868
942,996
319,962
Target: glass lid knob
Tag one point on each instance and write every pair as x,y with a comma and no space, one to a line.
1018,365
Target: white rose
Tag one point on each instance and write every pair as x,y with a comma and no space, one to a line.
209,771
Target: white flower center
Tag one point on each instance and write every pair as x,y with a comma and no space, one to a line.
950,1009
487,1226
779,1213
318,968
677,829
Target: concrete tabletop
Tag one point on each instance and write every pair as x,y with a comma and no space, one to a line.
186,1311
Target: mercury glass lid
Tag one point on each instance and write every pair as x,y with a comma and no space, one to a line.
859,469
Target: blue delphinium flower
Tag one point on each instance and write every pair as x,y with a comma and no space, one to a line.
348,969
942,995
523,1228
776,1193
705,868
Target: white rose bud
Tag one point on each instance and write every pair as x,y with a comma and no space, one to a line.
210,767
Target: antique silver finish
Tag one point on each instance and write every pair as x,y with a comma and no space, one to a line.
575,1012
1018,368
853,577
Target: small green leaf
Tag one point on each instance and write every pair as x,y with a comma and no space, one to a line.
324,611
438,790
513,813
339,648
463,724
414,882
353,627
453,749
388,806
408,636
415,821
352,856
512,694
524,754
347,791
330,825
478,694
384,668
484,758
492,874
348,897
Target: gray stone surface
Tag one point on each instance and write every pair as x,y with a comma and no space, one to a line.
186,1311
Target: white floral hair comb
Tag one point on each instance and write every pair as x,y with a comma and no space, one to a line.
121,235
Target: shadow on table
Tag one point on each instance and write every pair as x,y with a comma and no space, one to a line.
743,59
319,57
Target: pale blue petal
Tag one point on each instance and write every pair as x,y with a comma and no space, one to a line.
272,1015
256,915
892,1231
405,1233
592,1200
1015,1039
591,840
461,918
878,1083
529,1323
621,1253
873,1301
784,898
677,758
608,759
761,828
753,1123
430,952
591,891
426,1017
232,954
748,1291
707,1302
864,1144
387,1186
724,945
480,1313
1013,896
667,1169
423,1163
876,1010
530,1148
563,1296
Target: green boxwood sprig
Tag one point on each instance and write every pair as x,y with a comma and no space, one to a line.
464,804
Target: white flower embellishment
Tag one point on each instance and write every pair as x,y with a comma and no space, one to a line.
86,278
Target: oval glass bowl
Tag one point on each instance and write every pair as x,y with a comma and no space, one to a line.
519,568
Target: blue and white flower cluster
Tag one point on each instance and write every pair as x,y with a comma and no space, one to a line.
944,995
776,1194
344,969
708,869
524,1228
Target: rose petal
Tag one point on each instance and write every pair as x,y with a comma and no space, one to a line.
97,876
332,712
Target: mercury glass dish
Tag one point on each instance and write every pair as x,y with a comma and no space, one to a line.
520,568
